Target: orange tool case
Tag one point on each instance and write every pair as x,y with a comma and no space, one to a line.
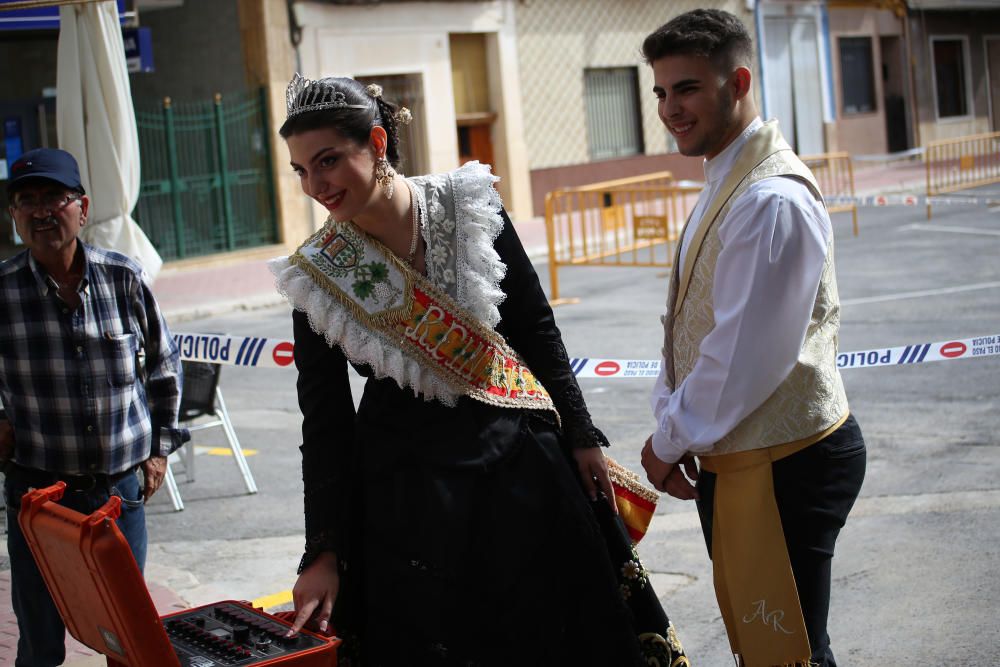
105,604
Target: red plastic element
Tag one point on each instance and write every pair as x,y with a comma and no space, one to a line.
100,592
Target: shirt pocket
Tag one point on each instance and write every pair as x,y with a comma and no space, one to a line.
119,354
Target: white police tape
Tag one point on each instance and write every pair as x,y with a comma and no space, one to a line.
278,353
911,200
235,350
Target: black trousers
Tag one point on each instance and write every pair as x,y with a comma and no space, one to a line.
815,489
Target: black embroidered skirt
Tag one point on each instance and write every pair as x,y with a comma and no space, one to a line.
473,544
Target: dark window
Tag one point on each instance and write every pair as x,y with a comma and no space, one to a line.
614,125
857,81
949,77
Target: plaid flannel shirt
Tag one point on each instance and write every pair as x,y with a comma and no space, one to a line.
73,383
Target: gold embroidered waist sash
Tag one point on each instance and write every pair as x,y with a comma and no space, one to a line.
753,577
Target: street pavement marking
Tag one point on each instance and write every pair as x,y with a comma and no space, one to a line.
915,295
221,451
924,503
273,600
953,230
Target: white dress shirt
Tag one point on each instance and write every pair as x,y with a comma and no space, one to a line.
774,245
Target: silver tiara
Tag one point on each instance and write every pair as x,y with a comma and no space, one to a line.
304,95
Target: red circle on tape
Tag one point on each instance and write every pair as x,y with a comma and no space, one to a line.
606,368
283,353
953,349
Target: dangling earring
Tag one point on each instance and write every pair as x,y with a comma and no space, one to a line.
385,176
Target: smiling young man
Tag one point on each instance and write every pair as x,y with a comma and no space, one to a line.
749,383
80,407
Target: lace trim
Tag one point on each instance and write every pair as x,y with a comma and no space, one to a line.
577,425
480,268
316,545
460,255
476,226
337,325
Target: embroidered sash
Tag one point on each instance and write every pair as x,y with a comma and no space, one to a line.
754,583
387,296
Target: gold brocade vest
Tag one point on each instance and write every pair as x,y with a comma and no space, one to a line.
811,399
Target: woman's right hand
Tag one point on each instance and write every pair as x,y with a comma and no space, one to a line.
315,592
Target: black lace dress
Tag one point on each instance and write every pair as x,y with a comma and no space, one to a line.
462,533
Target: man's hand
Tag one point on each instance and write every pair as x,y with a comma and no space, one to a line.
669,477
6,440
594,474
153,470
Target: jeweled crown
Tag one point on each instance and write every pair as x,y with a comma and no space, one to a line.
303,95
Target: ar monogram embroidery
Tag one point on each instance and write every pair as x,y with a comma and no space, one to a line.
771,619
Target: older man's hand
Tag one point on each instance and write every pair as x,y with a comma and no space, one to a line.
153,471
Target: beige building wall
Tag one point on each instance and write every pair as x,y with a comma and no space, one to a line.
861,133
413,38
270,62
558,39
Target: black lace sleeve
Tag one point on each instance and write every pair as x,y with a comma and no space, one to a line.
527,322
327,407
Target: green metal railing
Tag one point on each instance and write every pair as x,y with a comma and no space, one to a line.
207,185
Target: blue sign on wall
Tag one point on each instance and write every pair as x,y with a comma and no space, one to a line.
40,18
14,147
138,49
13,143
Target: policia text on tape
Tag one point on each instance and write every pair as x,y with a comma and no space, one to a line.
277,353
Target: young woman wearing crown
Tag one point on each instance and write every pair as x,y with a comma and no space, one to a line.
461,514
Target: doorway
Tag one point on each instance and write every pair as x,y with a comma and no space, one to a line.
792,83
894,93
474,115
993,75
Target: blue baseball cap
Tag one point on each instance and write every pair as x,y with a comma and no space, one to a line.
51,164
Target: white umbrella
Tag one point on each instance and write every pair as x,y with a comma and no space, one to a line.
96,123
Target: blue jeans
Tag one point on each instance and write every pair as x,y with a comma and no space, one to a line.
42,633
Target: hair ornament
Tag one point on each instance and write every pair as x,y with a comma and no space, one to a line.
374,90
403,116
304,95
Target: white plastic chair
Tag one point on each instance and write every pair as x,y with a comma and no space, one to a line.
201,396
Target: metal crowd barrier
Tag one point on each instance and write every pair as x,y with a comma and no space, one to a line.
835,175
965,162
625,222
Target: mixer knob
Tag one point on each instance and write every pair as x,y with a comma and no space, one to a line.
241,634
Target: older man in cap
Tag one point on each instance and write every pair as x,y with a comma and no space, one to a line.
89,377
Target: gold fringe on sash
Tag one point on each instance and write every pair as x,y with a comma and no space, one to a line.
753,576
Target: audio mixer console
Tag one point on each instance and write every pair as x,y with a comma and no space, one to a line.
103,599
233,633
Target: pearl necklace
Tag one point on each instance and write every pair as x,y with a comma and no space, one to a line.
415,221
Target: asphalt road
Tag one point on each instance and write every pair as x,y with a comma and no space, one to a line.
917,570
